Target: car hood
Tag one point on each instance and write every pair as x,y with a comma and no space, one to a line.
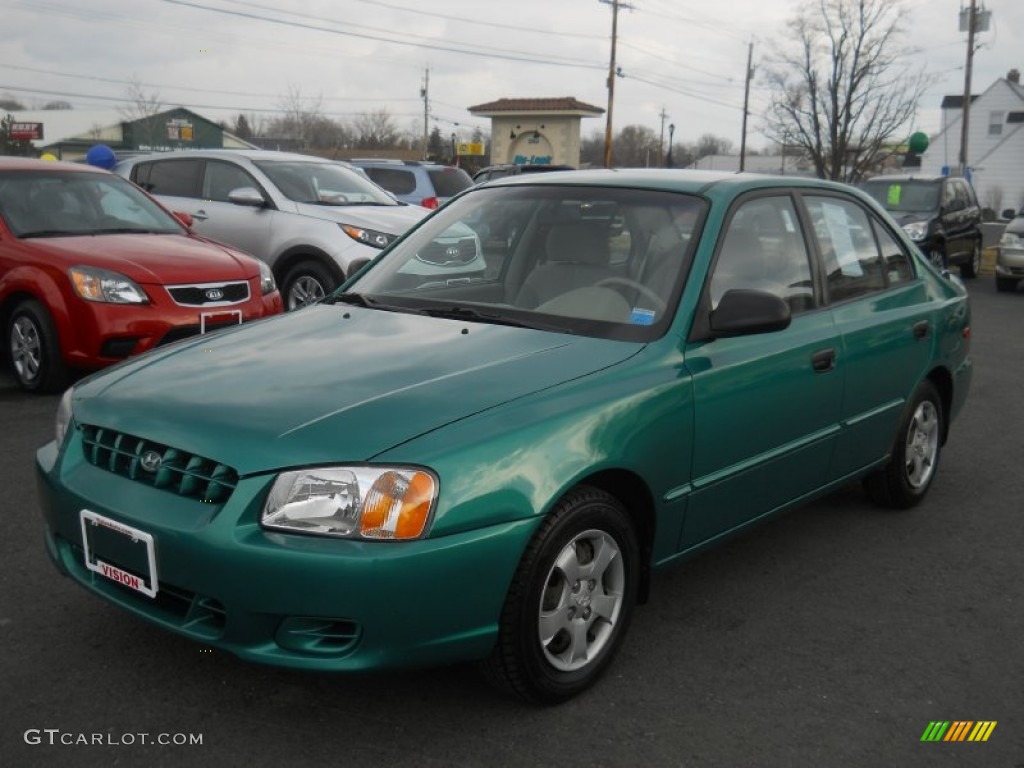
329,384
149,259
389,219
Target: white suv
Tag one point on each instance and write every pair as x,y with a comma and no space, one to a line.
309,219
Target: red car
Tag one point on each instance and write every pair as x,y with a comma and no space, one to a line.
93,270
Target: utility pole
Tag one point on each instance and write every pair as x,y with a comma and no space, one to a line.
612,71
425,95
965,120
746,102
661,138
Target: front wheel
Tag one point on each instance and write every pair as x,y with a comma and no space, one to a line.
306,283
571,600
937,256
34,350
905,480
970,270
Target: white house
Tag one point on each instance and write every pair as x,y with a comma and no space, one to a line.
995,143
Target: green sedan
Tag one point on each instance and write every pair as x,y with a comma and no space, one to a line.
482,446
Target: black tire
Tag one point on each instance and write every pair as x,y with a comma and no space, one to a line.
937,256
580,572
904,481
33,349
970,269
1006,284
306,283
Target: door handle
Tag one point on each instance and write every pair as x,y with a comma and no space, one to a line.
824,360
921,329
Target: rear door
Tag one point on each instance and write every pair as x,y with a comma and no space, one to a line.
883,317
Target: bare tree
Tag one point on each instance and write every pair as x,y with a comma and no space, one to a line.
139,108
839,89
709,144
376,130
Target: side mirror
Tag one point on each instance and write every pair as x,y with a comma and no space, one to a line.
246,196
742,311
184,218
1008,214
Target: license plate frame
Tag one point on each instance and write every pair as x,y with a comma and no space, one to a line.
135,537
210,316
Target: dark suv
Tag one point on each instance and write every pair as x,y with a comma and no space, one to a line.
940,213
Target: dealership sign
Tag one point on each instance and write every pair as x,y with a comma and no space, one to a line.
26,131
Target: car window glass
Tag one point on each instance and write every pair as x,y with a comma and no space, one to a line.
895,258
905,196
395,180
849,253
763,249
177,178
449,181
220,179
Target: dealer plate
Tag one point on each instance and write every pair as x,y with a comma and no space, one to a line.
104,539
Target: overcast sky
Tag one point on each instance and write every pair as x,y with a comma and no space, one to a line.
686,58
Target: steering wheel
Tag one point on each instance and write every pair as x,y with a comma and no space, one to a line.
640,288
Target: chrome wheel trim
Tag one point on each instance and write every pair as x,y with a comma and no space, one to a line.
976,258
922,447
26,349
581,601
936,258
305,290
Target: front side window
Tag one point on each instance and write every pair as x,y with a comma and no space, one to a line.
846,240
763,249
593,261
221,179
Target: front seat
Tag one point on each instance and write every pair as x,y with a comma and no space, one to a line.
577,257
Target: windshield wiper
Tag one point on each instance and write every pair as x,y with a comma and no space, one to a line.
51,233
456,312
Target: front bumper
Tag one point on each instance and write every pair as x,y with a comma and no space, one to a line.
1010,262
289,600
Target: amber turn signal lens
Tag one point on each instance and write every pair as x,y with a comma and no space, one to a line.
397,505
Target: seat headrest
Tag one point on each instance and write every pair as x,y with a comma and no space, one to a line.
584,243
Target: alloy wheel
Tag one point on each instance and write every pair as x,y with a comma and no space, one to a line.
26,349
304,291
922,444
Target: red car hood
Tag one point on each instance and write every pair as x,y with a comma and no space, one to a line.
149,258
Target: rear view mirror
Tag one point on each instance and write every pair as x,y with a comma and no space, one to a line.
246,196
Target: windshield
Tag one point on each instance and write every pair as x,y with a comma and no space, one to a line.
594,261
905,196
323,183
60,203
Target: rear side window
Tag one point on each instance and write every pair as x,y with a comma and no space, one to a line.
448,182
395,180
176,178
849,253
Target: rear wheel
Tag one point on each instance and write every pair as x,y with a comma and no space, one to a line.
969,270
306,283
34,350
570,602
937,256
905,480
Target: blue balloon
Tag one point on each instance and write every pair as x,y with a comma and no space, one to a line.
101,156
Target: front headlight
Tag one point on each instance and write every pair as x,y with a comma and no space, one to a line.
267,282
370,237
368,502
917,230
1011,240
95,284
64,415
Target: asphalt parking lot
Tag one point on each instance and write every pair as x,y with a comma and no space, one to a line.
831,636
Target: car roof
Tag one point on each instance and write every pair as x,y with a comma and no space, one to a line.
248,154
909,177
34,164
670,180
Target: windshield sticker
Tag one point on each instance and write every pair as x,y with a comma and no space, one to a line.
893,197
641,316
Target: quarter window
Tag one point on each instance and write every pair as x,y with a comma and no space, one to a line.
763,249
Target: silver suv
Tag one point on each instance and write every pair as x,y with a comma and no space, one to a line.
308,218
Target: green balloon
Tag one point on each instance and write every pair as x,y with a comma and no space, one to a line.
918,142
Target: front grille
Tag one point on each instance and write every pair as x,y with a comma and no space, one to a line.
209,294
173,470
442,254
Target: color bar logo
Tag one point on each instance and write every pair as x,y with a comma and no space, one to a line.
958,730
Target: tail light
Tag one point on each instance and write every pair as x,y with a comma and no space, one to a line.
430,202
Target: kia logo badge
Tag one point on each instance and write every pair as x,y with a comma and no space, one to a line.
214,294
452,252
151,461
